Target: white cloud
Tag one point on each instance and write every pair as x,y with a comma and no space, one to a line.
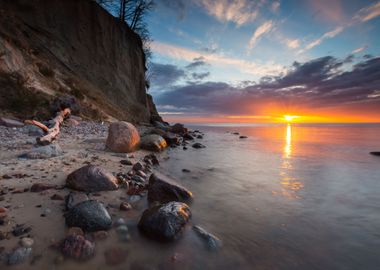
261,30
275,7
358,50
292,43
368,13
243,66
325,36
237,11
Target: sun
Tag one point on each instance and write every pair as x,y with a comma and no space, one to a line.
290,118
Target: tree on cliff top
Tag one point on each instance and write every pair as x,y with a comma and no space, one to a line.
133,13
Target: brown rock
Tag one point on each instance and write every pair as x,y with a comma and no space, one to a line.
163,189
125,206
91,178
75,231
123,137
153,142
57,197
3,212
77,247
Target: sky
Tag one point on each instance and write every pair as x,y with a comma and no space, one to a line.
256,61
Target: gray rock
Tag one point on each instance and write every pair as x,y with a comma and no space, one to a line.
89,216
7,122
163,189
212,242
153,142
179,129
43,152
74,198
19,255
198,145
91,178
32,130
165,222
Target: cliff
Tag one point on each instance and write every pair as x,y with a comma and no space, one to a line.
50,48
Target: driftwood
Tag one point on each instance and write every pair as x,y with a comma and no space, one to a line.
51,133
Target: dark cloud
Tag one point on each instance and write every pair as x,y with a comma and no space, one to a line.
197,62
165,75
319,83
200,76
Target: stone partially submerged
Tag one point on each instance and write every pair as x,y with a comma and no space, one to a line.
163,189
91,178
165,222
89,216
123,137
212,242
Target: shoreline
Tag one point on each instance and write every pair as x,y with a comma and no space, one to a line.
42,212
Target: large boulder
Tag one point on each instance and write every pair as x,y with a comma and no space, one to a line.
163,189
153,142
91,178
43,152
165,222
89,216
123,137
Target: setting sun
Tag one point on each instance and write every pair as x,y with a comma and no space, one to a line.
290,118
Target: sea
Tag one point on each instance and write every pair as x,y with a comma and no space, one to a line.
289,196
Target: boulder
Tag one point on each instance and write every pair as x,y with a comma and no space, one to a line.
165,222
91,178
43,152
163,189
171,138
153,142
7,122
179,129
89,216
77,247
123,137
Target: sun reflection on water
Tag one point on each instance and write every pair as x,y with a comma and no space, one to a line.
290,184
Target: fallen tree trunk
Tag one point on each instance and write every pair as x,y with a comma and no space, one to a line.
51,133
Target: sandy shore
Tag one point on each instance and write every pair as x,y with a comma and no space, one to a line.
83,144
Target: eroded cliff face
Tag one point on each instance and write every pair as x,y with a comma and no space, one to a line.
54,47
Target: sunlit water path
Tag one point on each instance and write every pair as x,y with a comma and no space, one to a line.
288,197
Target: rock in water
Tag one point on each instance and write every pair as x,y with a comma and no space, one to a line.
123,137
153,142
77,247
19,255
179,128
243,137
165,222
163,189
89,216
375,153
43,152
198,145
91,178
211,240
73,199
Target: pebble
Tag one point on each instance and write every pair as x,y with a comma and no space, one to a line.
77,247
125,206
26,242
123,233
19,255
20,229
138,166
126,162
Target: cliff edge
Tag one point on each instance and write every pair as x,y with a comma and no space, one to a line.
50,48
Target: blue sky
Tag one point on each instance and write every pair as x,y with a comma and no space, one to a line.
243,46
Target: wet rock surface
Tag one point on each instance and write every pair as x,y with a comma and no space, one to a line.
91,178
90,216
198,145
77,247
163,189
211,241
123,137
153,142
165,222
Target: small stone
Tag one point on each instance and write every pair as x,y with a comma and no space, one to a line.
43,152
38,187
120,221
19,230
138,166
125,206
186,170
198,145
243,137
126,162
75,231
115,256
26,242
19,255
77,247
123,233
3,212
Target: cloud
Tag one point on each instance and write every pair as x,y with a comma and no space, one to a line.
260,31
242,65
164,75
197,62
368,13
319,83
200,76
325,36
292,43
359,50
237,11
275,7
178,6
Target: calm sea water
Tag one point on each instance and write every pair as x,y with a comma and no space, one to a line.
288,197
